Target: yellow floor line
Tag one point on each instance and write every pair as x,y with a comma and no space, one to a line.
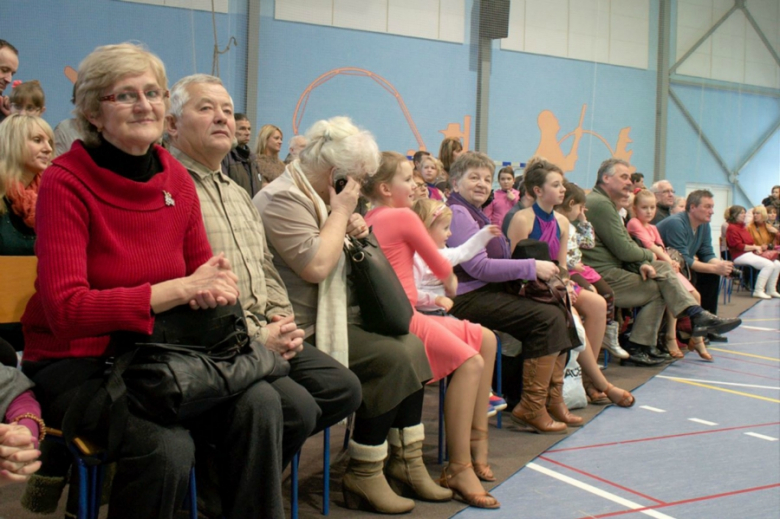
744,354
774,400
753,320
752,343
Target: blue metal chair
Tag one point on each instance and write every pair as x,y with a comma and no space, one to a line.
325,473
90,477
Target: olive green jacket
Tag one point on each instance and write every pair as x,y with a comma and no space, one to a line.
614,246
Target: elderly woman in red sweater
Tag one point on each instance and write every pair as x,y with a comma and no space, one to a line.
121,239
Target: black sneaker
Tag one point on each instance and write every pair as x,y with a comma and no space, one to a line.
705,322
714,337
655,353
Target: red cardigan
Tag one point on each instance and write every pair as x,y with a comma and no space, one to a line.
103,241
737,236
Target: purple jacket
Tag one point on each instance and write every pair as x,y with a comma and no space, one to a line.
492,265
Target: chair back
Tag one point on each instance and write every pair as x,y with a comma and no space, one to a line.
17,279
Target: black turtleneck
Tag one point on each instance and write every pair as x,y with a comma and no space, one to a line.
140,168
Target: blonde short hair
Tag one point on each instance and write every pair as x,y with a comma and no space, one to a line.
431,211
14,132
103,67
760,209
263,135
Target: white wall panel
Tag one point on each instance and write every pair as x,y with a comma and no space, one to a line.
516,38
366,15
452,21
319,12
419,18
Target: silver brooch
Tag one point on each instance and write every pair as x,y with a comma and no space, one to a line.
168,199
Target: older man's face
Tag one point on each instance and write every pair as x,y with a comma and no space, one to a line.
243,132
618,185
207,127
666,194
9,63
703,212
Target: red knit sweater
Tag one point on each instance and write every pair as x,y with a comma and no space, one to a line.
737,236
103,241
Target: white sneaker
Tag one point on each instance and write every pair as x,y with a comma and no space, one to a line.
611,342
774,293
760,294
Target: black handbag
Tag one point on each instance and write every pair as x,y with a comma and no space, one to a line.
384,307
193,361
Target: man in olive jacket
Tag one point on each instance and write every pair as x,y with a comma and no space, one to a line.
637,279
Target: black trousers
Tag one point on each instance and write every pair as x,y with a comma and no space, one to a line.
319,392
154,462
708,286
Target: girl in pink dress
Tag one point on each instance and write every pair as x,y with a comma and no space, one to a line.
503,199
641,228
463,349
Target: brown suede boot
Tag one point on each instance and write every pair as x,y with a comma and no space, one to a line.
555,404
406,471
531,411
364,483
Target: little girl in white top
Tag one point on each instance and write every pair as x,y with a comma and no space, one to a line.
437,218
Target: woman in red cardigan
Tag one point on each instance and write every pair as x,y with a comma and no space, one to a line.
744,251
120,239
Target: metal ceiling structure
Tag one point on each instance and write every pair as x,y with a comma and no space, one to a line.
669,77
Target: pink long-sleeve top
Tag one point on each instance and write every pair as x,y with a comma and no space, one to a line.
400,234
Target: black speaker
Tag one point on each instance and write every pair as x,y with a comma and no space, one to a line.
494,19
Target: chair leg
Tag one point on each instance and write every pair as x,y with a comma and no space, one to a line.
294,486
348,432
326,471
83,482
499,388
192,493
442,394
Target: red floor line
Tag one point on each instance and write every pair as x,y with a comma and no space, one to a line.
684,501
597,478
710,366
720,356
709,431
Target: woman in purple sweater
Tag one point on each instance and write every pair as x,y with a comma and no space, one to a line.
482,298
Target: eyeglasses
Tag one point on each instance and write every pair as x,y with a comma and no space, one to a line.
131,97
420,186
668,191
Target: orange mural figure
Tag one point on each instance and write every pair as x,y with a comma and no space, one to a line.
453,129
551,148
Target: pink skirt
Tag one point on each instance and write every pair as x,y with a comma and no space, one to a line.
449,342
590,275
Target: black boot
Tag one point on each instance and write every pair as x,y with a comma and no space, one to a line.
705,322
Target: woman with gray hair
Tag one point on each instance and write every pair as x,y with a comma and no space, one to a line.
120,240
307,243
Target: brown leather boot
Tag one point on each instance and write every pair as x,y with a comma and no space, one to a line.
406,471
555,404
531,411
364,483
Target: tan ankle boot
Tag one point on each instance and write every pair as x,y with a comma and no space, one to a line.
555,403
364,484
531,411
406,471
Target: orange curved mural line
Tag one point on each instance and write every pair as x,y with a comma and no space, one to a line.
300,108
551,147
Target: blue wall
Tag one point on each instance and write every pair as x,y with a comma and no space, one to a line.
437,80
52,34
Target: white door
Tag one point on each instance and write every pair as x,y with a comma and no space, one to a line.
722,196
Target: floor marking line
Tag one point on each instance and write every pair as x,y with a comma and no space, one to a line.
751,343
699,420
718,382
734,359
652,438
761,319
653,409
688,501
760,329
597,478
744,354
761,436
635,507
710,366
757,397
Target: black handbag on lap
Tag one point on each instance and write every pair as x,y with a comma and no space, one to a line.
384,307
193,361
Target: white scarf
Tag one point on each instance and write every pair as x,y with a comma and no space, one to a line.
331,327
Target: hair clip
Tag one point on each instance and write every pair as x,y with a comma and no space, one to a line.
16,83
437,212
